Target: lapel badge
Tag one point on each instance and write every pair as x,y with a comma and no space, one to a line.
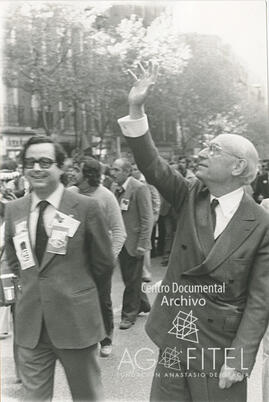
59,218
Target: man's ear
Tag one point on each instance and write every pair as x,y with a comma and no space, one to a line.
239,167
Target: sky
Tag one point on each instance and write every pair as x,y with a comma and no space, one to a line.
242,24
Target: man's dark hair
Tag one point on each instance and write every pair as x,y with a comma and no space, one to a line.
60,154
91,171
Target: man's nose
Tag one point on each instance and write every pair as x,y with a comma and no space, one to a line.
203,153
36,166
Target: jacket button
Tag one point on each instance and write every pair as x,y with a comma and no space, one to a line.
183,246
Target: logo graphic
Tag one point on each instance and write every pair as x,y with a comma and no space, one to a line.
170,359
184,327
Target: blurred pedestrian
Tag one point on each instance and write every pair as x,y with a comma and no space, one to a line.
89,184
261,184
183,168
136,207
8,296
5,316
156,202
106,178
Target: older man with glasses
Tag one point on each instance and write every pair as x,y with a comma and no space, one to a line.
59,246
213,311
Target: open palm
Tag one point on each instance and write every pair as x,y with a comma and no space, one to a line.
142,83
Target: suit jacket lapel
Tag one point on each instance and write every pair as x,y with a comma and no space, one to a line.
239,228
28,227
24,215
129,189
67,206
127,194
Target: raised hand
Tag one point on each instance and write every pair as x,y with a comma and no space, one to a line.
142,83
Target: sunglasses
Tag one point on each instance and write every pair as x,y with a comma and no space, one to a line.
44,163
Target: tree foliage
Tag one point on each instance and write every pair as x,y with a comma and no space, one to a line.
75,62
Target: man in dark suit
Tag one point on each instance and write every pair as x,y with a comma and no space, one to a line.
136,207
212,309
261,184
58,245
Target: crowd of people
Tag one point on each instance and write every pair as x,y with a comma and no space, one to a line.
69,222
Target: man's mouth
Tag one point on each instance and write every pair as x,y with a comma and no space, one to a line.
38,177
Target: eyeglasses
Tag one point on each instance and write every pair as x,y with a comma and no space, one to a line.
216,149
44,163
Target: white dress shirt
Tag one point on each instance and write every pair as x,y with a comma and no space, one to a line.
133,127
225,210
228,203
54,201
125,184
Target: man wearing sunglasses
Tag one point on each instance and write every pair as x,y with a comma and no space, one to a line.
209,322
58,245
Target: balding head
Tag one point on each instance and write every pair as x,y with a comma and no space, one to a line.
243,149
121,170
226,163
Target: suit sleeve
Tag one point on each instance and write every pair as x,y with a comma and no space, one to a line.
144,204
255,318
100,247
170,183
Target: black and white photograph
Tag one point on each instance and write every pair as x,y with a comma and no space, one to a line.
134,201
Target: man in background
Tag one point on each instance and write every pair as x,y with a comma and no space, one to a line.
89,183
261,184
136,207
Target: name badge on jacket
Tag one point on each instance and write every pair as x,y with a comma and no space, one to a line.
124,204
23,250
57,242
65,221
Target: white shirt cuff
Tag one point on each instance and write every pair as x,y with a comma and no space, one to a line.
133,127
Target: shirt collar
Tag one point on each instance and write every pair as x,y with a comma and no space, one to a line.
230,201
54,199
125,184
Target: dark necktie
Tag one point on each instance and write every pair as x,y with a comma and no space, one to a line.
214,203
41,234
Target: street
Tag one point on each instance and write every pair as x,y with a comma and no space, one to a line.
127,372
